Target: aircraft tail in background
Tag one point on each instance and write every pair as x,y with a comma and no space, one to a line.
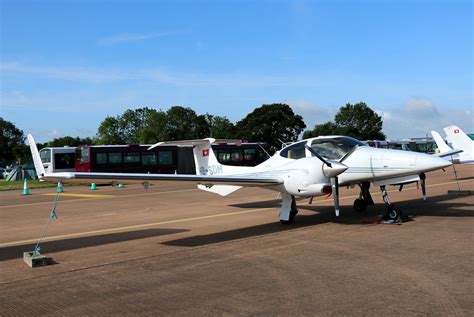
36,157
442,146
459,139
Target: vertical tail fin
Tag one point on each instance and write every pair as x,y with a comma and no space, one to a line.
207,164
459,139
442,146
205,159
36,157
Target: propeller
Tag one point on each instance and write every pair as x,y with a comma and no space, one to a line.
331,169
423,185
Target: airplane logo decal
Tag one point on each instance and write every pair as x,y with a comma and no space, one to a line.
205,152
456,131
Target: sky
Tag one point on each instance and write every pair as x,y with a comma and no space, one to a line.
67,65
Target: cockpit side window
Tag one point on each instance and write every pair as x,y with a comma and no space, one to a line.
335,148
295,151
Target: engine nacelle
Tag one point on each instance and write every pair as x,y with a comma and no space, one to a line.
299,187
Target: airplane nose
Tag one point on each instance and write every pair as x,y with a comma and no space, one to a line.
335,169
431,162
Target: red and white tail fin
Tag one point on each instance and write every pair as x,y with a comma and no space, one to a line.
459,139
207,164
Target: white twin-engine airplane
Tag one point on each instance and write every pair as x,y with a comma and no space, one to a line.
458,140
308,168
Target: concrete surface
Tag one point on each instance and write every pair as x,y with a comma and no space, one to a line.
175,250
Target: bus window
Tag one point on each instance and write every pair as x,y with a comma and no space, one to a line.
223,156
115,158
45,155
165,158
149,159
131,158
63,160
101,158
85,154
236,156
249,154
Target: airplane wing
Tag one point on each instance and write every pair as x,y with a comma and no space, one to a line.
247,180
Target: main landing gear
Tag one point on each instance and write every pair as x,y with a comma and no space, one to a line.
288,209
365,199
392,213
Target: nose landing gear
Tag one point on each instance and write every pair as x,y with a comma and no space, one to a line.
392,213
365,199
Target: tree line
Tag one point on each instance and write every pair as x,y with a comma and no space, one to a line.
270,123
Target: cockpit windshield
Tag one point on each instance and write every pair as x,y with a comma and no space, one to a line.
335,148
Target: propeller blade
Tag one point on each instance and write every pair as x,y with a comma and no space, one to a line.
423,185
335,194
317,155
330,168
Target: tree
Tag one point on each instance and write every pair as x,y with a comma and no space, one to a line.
358,121
272,124
69,141
11,141
124,129
220,127
184,124
131,123
153,130
328,128
109,131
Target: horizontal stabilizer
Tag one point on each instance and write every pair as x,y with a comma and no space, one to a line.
195,142
222,190
449,153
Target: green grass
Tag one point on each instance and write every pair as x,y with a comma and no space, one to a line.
18,185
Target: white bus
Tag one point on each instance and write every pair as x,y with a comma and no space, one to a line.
58,159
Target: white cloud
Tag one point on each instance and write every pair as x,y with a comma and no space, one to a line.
421,106
385,115
417,117
312,113
160,76
132,37
64,73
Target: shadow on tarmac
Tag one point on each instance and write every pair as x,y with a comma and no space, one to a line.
325,214
15,252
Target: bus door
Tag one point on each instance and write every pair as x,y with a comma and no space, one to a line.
46,158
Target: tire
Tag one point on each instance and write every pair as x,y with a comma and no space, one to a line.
289,221
360,205
394,214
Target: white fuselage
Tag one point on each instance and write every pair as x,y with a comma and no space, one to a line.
304,176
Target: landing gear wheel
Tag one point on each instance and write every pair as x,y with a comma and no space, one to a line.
293,213
289,221
360,205
393,214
